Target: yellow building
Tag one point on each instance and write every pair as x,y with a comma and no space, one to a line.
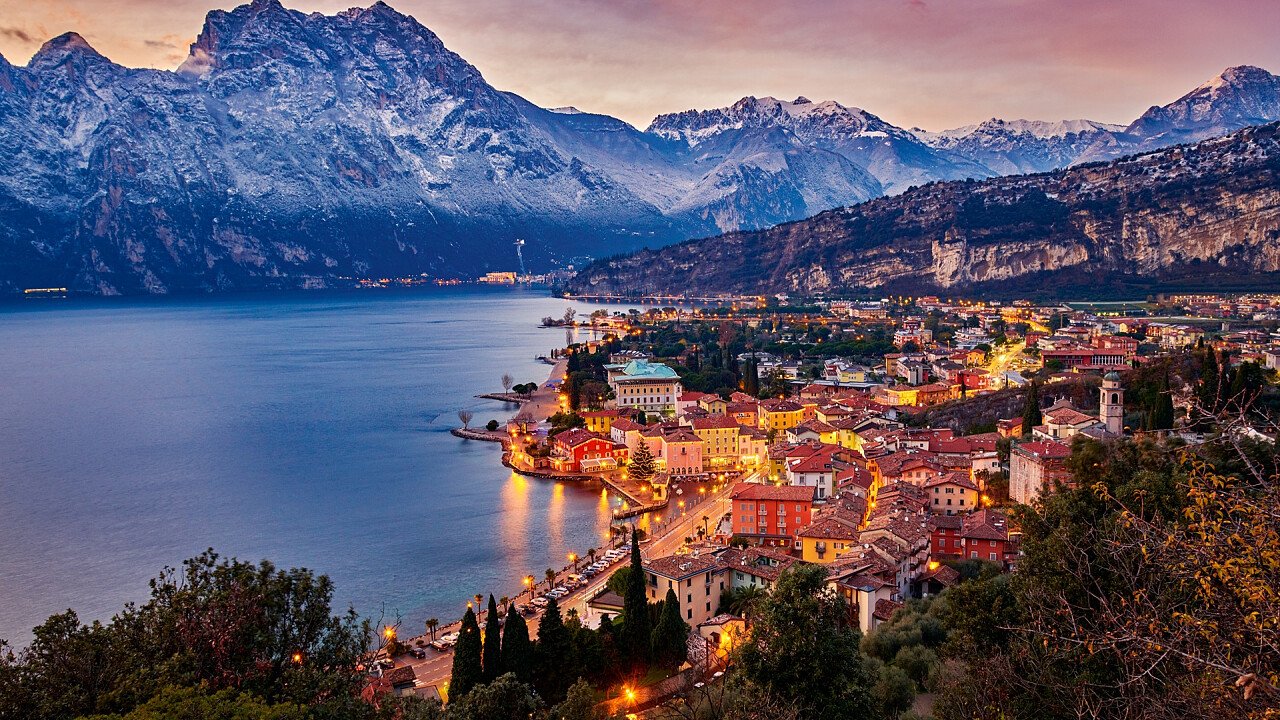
780,415
827,539
599,421
720,447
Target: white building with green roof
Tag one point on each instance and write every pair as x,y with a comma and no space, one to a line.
643,385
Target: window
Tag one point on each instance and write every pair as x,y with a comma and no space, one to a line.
993,556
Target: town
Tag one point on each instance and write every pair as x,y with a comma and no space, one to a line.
886,442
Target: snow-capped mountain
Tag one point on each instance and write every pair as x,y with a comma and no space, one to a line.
294,149
1238,98
895,157
1009,147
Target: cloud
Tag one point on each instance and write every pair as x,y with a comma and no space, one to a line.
19,34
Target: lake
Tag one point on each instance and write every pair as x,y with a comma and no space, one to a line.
309,429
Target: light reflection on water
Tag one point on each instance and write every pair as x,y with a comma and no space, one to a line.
310,429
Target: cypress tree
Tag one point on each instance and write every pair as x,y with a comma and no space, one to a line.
1031,416
467,670
1162,412
636,624
492,643
670,634
554,654
517,650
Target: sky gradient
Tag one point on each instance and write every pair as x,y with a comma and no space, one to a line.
929,63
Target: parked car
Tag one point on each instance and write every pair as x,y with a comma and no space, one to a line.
418,653
540,602
439,645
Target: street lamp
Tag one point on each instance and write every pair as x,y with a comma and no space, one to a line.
573,558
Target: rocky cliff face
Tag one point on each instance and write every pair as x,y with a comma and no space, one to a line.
1210,209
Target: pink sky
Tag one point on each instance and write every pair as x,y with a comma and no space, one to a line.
929,63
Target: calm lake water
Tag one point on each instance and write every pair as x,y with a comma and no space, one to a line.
312,430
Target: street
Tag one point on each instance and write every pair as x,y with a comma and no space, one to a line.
668,537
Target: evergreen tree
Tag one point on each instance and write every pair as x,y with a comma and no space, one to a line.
493,666
467,669
554,654
642,466
636,623
517,650
1162,412
670,634
1031,416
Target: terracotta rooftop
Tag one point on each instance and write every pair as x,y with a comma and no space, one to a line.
829,528
679,567
786,493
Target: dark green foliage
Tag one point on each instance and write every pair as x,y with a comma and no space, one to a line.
636,627
618,580
579,703
803,650
670,634
195,703
493,665
1031,415
517,649
506,698
893,692
491,425
219,624
468,671
553,655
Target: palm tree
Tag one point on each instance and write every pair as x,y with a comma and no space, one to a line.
743,601
503,602
591,553
550,575
432,624
479,599
705,531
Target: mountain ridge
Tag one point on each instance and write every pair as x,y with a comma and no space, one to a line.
1207,209
296,149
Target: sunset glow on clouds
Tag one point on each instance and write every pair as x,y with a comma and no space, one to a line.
928,63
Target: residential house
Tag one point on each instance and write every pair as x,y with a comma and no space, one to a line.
770,514
698,582
1035,466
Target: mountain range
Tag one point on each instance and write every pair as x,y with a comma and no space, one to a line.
1205,214
296,150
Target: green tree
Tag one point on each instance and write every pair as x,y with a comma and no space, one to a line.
802,649
894,691
493,666
579,703
636,624
1031,416
554,653
468,672
642,466
1162,412
617,582
517,649
506,698
190,702
670,635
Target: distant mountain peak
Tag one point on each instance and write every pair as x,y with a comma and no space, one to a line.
62,47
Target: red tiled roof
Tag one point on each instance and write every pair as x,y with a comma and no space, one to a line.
885,609
1047,449
829,528
574,437
678,567
786,493
714,422
959,479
